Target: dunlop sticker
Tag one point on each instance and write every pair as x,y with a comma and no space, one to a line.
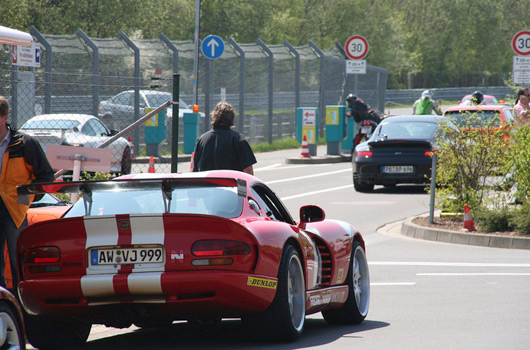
261,282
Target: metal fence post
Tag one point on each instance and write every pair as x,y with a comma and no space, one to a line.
95,70
136,51
296,73
321,106
175,123
241,83
433,187
174,49
271,85
48,69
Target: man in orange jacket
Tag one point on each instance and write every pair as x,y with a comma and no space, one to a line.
22,162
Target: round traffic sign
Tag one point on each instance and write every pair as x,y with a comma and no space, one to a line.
521,43
356,47
212,46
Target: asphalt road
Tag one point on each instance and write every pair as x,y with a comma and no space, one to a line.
424,295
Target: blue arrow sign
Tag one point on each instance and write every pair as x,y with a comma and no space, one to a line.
212,47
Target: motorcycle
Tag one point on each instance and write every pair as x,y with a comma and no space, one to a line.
366,130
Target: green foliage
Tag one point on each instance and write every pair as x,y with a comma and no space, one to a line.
283,143
466,160
519,161
494,219
521,219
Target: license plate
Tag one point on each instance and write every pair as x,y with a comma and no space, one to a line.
121,256
366,129
398,169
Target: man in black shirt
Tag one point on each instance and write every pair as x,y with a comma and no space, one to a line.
222,147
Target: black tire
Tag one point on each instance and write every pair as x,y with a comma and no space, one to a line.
45,333
356,306
362,187
11,330
126,161
284,319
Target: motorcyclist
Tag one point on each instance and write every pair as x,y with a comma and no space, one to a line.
426,104
361,111
477,98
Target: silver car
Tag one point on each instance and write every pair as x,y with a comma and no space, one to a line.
79,130
118,111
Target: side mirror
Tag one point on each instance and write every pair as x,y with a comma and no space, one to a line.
311,213
113,132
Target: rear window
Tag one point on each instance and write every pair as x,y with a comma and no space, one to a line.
209,200
474,118
407,130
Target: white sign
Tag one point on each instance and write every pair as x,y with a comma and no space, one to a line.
521,43
309,117
521,63
27,56
356,67
521,76
356,47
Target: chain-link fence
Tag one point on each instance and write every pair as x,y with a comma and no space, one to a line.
119,79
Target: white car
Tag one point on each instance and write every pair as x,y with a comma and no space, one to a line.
79,130
118,111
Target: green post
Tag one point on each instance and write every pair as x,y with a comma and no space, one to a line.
175,124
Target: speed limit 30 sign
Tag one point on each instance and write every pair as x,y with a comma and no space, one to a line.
521,43
356,47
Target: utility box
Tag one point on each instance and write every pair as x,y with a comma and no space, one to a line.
155,131
335,128
307,125
351,128
191,131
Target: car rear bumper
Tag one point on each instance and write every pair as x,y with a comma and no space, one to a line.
181,295
373,174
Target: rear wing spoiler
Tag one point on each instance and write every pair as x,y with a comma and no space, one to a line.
166,185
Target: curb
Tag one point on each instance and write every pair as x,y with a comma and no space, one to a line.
410,229
319,160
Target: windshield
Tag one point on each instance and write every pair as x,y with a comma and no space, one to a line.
474,118
406,130
51,124
209,200
157,99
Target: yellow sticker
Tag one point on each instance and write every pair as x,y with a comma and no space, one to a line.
261,282
340,275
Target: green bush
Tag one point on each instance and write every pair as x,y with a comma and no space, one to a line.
521,220
496,219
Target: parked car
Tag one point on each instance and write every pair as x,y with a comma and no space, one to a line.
493,115
119,109
12,335
79,130
398,152
147,249
488,100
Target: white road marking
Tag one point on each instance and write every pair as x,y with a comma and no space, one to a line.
445,264
316,192
310,176
393,284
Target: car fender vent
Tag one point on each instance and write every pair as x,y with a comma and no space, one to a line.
327,263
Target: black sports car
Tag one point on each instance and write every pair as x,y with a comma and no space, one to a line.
399,151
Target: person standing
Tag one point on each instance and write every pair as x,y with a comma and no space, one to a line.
426,104
222,147
22,162
521,108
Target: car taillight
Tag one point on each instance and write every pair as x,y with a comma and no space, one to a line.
366,123
42,255
365,154
429,153
219,247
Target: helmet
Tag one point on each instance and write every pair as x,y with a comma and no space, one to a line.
351,98
426,94
477,97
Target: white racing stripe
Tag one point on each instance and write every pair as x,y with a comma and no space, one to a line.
316,192
97,285
100,231
145,283
147,229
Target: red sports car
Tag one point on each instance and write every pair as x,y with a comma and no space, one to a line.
149,249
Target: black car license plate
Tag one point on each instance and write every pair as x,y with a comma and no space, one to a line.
398,169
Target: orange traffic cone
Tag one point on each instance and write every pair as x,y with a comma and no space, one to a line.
132,146
469,224
305,149
151,165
